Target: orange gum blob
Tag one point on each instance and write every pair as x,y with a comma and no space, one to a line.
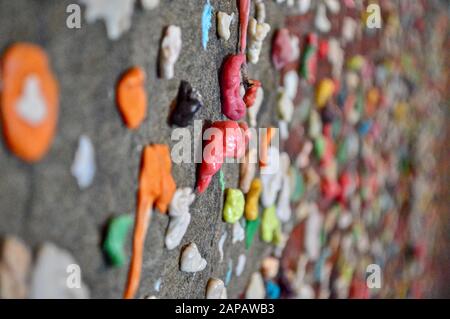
30,142
132,97
156,187
266,138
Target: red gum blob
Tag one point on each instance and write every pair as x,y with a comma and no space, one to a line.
323,49
233,105
281,49
345,182
244,11
250,94
234,141
330,189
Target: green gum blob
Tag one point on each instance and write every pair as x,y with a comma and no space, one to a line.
342,152
116,238
222,181
234,205
298,183
270,226
251,227
319,147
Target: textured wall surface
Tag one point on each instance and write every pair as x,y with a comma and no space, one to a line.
42,202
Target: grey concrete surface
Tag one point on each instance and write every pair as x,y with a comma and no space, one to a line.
42,202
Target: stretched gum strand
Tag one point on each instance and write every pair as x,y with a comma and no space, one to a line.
244,11
156,187
143,217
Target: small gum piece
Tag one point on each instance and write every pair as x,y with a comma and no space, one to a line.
272,177
258,31
312,233
255,288
242,259
132,97
324,92
321,22
116,238
284,211
290,82
238,233
189,102
269,267
115,13
178,226
15,266
220,245
29,124
216,289
297,184
270,226
251,227
180,217
285,106
182,199
253,110
169,52
282,50
206,23
84,167
234,205
248,170
303,6
191,260
252,200
49,278
224,22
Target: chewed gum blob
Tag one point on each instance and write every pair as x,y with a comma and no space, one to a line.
29,101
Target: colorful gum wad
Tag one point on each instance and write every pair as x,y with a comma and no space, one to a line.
234,205
281,49
308,65
298,184
251,227
252,200
233,105
270,226
232,144
251,93
324,92
29,101
156,187
132,97
116,238
266,138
